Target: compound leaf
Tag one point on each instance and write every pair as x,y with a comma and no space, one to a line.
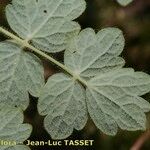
113,100
20,72
12,129
124,2
63,101
90,54
47,23
112,96
112,93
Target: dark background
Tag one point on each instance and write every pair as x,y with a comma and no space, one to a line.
134,20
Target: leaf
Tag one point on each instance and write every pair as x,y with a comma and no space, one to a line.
12,129
90,54
113,100
124,2
34,74
47,23
63,101
20,72
17,147
112,93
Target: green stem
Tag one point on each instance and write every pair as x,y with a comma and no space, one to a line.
41,53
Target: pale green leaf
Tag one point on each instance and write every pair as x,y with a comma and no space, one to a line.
12,128
20,72
113,100
124,2
63,101
34,76
47,23
90,54
17,147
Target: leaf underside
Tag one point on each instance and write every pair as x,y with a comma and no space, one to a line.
112,93
46,23
20,72
113,100
124,2
12,129
64,101
90,54
17,147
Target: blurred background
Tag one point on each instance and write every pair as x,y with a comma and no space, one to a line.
134,20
